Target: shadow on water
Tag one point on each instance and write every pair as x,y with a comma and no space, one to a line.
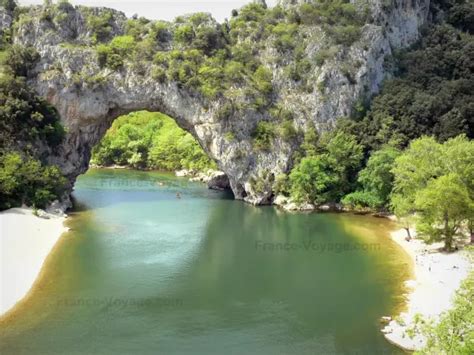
300,272
96,188
144,272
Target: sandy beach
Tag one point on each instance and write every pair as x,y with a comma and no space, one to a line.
437,277
25,242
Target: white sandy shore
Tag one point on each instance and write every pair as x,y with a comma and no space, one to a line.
25,242
438,276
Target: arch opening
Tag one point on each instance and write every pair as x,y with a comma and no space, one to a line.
144,140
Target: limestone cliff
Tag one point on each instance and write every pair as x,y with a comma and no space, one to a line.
89,96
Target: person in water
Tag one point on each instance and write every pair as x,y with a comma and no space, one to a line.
178,195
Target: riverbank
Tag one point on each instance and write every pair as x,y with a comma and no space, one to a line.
214,179
437,277
25,242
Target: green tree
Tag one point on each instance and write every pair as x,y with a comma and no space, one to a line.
344,156
376,180
432,94
20,59
311,180
404,210
443,207
24,180
329,169
145,140
436,181
420,162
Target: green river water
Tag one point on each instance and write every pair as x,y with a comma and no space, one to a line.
145,272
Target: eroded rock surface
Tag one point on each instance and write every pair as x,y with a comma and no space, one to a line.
89,97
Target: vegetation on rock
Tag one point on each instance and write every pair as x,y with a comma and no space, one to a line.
28,125
432,94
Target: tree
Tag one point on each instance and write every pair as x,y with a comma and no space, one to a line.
404,210
436,181
376,180
26,180
329,169
344,156
20,59
150,140
458,157
310,180
443,206
419,163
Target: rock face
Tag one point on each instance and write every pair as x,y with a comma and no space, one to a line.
89,97
218,181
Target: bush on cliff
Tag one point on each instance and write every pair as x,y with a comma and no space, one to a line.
28,125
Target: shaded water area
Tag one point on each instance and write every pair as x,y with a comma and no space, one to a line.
144,272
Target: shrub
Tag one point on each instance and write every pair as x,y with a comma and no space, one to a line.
158,74
281,184
20,59
207,39
184,34
234,71
136,28
285,36
362,199
100,26
324,54
263,135
262,80
225,111
229,136
211,81
113,54
345,35
103,51
122,44
288,131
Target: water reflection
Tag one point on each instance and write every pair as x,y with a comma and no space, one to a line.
144,272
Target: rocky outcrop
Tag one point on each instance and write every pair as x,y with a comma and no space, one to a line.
214,179
218,181
89,97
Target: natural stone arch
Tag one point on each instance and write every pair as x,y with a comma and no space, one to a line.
87,111
89,97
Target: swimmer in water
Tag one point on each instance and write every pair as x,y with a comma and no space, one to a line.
178,195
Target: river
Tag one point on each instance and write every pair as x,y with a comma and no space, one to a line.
157,264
